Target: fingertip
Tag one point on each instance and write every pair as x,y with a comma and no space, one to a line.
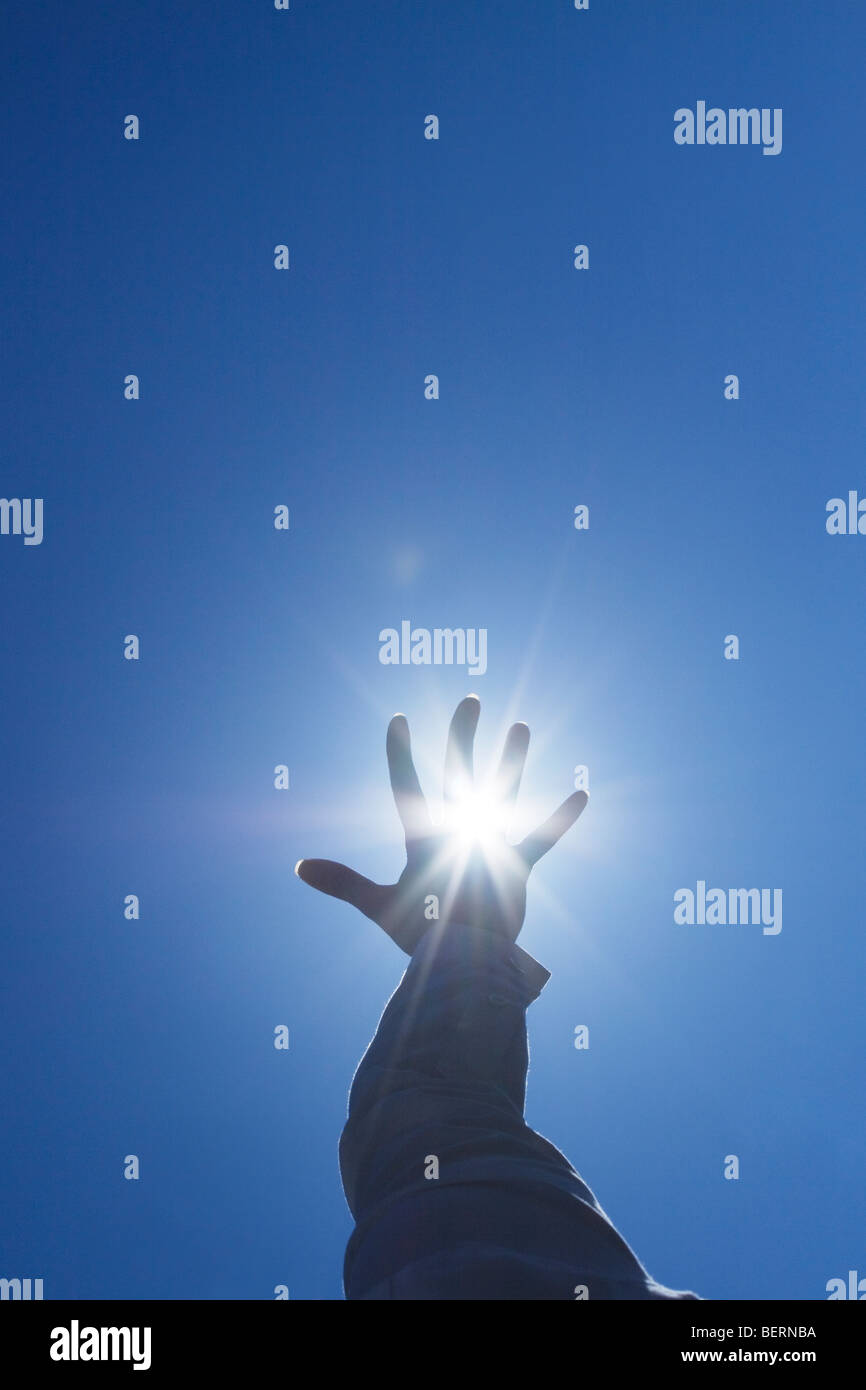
468,711
297,869
397,737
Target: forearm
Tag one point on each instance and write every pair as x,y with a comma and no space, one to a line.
445,1074
436,1151
458,1013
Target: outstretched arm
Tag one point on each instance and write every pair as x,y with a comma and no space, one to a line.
454,1195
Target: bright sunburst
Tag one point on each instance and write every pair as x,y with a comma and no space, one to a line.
478,820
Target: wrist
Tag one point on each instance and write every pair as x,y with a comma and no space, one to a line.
472,945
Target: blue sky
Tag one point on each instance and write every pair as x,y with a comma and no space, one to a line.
306,387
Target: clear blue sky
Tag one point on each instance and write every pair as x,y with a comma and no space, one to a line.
258,647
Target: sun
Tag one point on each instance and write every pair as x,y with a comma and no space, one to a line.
478,820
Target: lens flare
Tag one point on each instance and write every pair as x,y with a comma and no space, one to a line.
478,820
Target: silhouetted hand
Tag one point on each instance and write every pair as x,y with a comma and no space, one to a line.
450,875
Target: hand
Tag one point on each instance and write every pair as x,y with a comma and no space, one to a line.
479,882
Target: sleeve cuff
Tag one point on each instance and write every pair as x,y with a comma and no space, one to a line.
536,974
448,940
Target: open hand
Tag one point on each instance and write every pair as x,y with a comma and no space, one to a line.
459,871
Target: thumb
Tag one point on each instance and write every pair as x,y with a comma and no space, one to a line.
339,881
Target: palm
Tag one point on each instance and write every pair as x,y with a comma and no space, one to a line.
483,886
448,876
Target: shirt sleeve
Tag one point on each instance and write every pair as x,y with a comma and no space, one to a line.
448,1060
